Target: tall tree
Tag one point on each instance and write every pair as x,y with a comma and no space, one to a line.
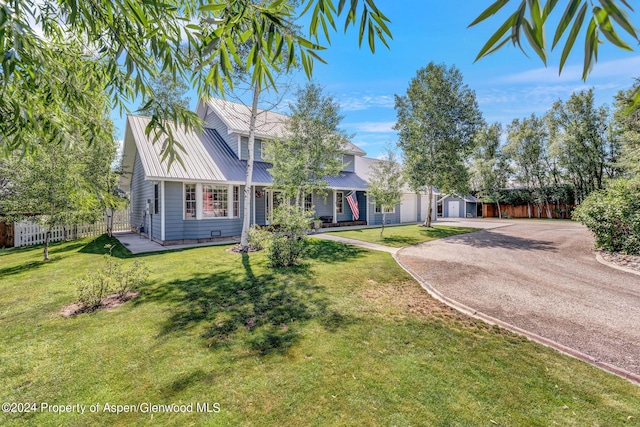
134,41
385,183
489,166
579,138
311,149
527,147
626,131
437,120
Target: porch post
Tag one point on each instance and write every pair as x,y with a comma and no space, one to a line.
162,216
335,202
253,190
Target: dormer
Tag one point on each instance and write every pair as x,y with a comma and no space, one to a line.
231,121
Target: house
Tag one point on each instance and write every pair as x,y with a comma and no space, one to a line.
201,199
412,207
457,206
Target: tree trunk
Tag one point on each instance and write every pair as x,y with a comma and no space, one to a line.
46,243
427,219
529,209
248,187
384,219
499,211
548,210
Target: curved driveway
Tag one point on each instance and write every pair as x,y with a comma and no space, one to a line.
540,276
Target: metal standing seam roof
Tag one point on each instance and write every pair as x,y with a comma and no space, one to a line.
234,169
269,125
198,164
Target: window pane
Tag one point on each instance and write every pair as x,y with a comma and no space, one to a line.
308,202
236,201
214,201
189,201
339,197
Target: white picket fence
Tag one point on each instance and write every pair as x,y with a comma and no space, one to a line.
30,233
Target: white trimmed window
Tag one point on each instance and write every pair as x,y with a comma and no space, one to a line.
236,201
308,202
206,201
215,201
190,201
339,202
379,210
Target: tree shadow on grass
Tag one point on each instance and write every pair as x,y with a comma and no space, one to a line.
97,247
328,251
262,311
21,268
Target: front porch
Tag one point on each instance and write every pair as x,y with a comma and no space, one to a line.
343,224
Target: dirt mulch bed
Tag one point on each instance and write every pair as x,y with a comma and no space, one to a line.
627,261
110,301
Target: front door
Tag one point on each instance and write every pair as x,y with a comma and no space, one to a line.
273,200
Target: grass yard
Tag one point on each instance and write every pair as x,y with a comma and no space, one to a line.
403,235
346,339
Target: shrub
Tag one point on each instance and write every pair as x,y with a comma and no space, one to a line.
129,280
92,288
286,245
112,278
613,216
258,238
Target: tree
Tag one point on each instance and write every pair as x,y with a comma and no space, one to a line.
57,187
489,166
437,120
385,183
626,131
527,144
311,149
132,42
579,139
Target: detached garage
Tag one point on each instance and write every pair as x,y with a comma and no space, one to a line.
455,206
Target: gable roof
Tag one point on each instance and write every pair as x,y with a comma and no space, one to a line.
269,124
198,165
206,158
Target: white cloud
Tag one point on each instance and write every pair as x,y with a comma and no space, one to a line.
355,102
371,127
626,68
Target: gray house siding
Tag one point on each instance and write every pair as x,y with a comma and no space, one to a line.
177,228
261,207
214,122
348,163
141,190
173,222
376,218
362,205
257,149
322,207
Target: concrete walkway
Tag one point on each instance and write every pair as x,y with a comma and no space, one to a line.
139,245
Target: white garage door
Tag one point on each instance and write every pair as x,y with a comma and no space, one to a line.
454,209
408,211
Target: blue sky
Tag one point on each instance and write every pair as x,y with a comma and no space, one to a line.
508,85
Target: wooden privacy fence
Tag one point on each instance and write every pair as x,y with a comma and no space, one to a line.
30,233
562,211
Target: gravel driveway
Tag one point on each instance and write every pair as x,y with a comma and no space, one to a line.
541,276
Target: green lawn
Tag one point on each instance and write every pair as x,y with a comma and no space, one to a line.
403,235
346,339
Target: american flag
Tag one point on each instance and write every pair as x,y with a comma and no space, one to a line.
353,204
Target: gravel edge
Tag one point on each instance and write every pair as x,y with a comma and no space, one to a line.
630,376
